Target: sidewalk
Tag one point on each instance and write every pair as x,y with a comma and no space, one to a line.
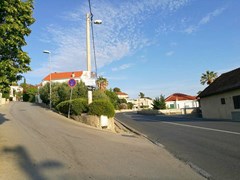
84,153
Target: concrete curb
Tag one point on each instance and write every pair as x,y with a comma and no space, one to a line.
138,133
130,128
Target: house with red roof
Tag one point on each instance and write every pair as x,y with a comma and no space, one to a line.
180,101
60,77
122,95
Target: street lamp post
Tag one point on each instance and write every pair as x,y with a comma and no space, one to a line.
50,81
88,22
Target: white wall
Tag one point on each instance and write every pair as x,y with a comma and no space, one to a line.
144,102
183,104
16,89
212,108
122,96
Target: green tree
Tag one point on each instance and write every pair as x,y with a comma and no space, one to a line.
208,77
130,105
29,92
80,90
159,103
102,83
44,93
15,19
113,98
116,89
141,95
99,95
61,92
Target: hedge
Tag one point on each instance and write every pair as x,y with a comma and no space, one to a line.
78,106
101,107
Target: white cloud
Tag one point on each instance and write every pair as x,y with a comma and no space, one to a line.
191,29
206,19
120,35
122,67
211,15
169,53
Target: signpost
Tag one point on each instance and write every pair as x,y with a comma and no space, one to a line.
71,83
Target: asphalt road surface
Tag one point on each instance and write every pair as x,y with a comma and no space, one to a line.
38,144
212,147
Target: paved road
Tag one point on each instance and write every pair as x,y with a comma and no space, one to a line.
212,147
38,144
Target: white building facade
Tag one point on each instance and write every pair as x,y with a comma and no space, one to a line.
181,101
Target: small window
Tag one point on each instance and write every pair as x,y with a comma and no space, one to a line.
223,101
236,102
172,106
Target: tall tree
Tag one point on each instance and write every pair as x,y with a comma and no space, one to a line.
208,77
159,103
116,89
141,95
102,83
15,19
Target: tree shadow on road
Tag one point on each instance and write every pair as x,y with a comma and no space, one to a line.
3,118
27,165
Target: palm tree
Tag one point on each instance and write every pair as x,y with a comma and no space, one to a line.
208,77
102,83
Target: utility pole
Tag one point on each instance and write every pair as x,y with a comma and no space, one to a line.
50,69
90,85
88,21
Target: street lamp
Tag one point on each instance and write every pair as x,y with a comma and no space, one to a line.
88,22
50,82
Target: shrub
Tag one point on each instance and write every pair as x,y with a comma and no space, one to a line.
78,106
101,107
25,97
63,107
130,105
5,95
61,92
123,106
113,98
100,95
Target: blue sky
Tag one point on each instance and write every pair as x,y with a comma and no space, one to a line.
150,46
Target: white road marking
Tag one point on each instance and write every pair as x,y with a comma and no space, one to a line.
198,127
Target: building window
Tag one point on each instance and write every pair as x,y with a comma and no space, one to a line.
172,106
236,102
223,101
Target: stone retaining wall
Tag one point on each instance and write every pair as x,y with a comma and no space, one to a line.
95,121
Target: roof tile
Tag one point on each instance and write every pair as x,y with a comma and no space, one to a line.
63,75
179,97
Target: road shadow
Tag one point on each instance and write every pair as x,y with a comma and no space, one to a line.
27,165
3,118
175,118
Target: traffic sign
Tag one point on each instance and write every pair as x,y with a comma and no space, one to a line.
72,83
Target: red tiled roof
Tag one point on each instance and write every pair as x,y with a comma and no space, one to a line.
180,97
63,75
121,93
